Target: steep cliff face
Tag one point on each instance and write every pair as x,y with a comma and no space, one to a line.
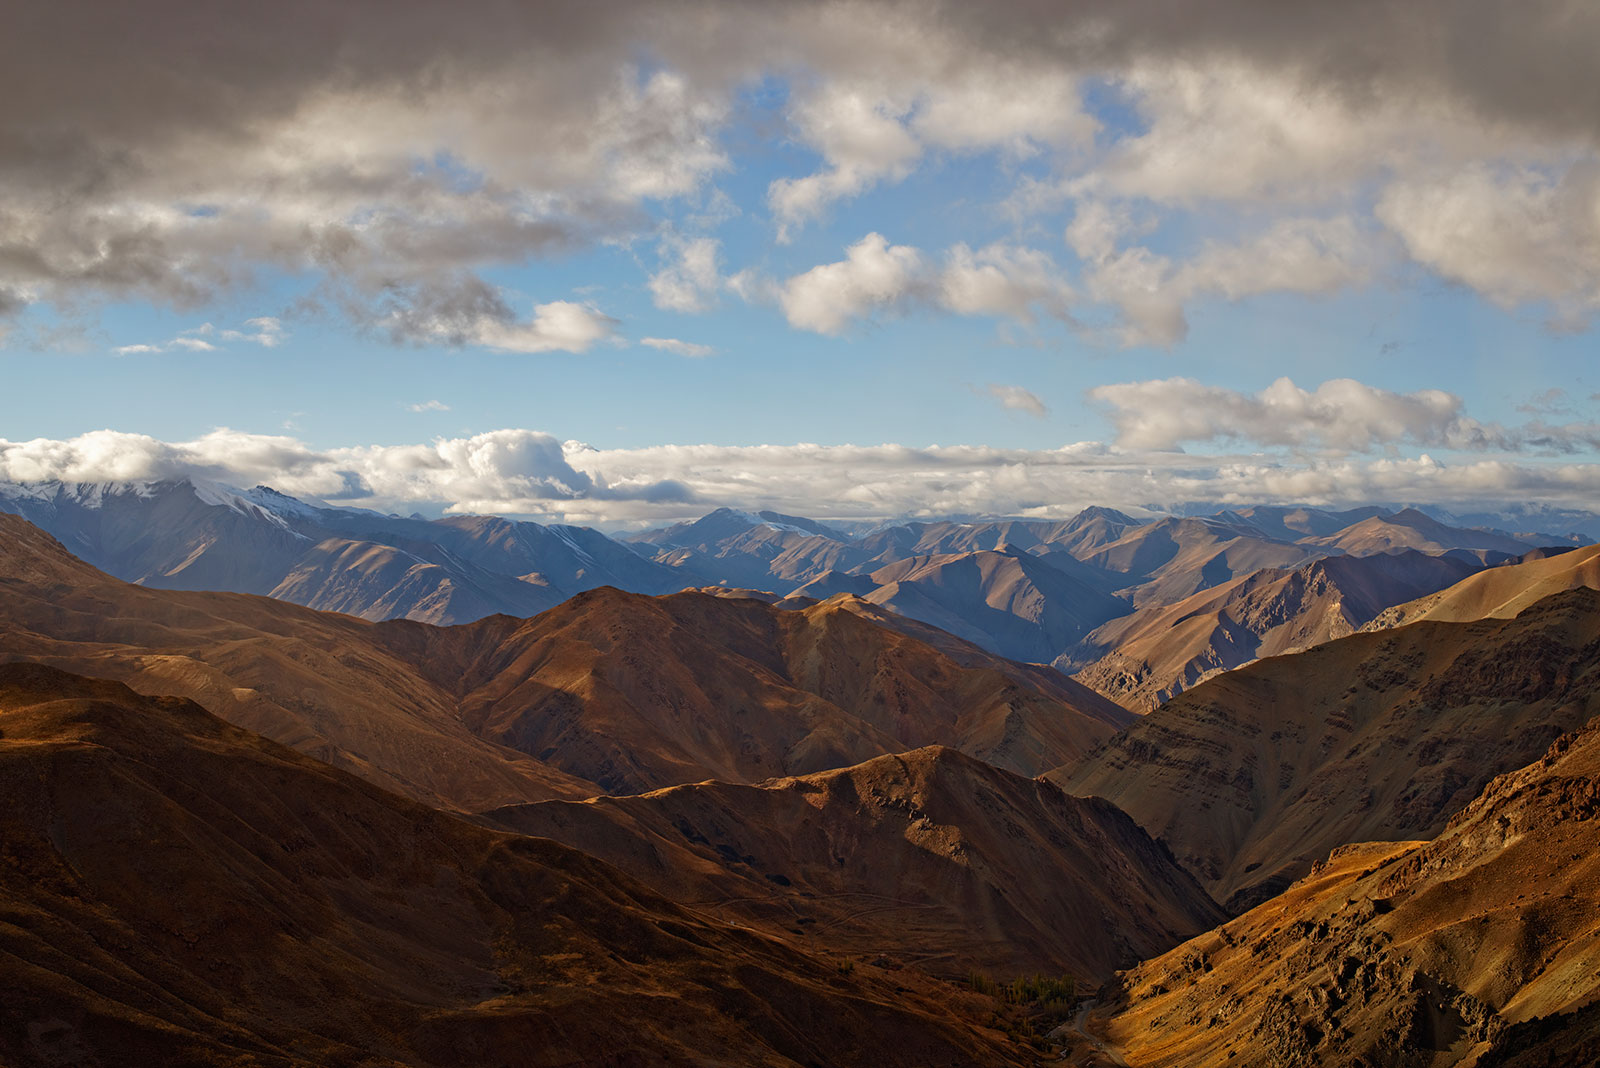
1478,947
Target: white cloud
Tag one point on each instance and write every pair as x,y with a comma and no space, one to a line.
264,331
428,406
1341,414
559,326
1018,399
1516,237
860,135
874,276
1004,280
689,284
676,347
526,472
1310,256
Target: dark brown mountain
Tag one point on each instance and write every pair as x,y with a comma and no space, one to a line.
930,857
636,693
177,891
639,692
1255,774
1477,947
1145,658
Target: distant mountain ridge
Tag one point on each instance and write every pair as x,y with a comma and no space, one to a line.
1028,589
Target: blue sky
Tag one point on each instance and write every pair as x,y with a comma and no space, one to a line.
621,270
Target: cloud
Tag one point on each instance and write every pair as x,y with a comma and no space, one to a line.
526,472
264,331
676,347
1004,280
559,326
1516,236
397,157
428,406
874,276
691,282
1150,291
1340,414
1018,399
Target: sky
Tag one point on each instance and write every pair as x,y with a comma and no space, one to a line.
625,263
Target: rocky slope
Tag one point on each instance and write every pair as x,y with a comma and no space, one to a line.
1255,774
1478,947
1146,658
929,858
177,891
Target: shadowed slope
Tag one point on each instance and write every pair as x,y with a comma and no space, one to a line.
176,891
1254,774
930,856
1011,602
1436,953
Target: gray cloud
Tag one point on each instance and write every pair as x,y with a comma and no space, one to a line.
391,152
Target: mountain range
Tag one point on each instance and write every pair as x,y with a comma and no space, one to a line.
797,822
1044,591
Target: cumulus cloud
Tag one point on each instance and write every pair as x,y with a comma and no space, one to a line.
1018,400
1000,280
874,276
1004,280
1516,236
428,406
1150,291
676,347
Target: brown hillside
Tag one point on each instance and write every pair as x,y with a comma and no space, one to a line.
1255,774
637,693
180,892
1501,592
931,857
1441,953
312,680
1159,651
